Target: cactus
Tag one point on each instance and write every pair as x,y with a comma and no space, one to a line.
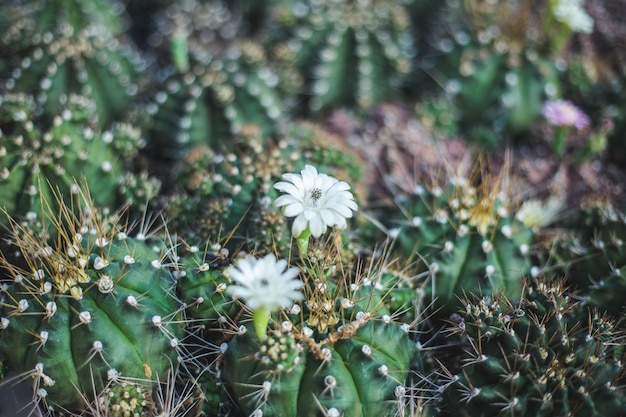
497,73
339,353
72,49
201,287
194,25
91,309
353,53
540,355
590,251
226,193
60,15
46,152
212,99
464,239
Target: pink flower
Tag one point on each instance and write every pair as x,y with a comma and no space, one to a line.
564,113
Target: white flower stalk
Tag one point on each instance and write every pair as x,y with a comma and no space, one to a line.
265,285
317,201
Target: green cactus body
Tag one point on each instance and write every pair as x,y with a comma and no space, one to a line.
350,53
54,16
466,242
590,251
92,62
498,76
201,287
215,99
541,356
340,354
93,309
50,156
226,195
356,376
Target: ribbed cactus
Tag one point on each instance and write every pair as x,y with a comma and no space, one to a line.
226,193
55,16
90,309
359,374
349,52
539,355
338,353
212,99
497,64
63,47
201,286
590,251
194,25
464,239
43,152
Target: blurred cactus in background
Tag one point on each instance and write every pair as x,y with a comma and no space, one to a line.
212,99
45,152
498,64
62,47
354,53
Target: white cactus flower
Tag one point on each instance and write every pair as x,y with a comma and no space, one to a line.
264,283
317,201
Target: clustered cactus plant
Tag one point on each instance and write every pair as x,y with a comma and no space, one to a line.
45,151
465,239
541,354
230,209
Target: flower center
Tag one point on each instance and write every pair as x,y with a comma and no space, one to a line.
316,194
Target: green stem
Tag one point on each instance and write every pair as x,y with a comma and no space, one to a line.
303,243
180,50
559,140
261,318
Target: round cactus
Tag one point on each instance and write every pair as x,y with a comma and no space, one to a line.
212,99
91,308
590,251
358,375
45,152
540,355
465,241
226,194
497,66
338,353
349,52
64,55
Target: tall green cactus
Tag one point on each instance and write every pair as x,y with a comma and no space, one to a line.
539,355
90,309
